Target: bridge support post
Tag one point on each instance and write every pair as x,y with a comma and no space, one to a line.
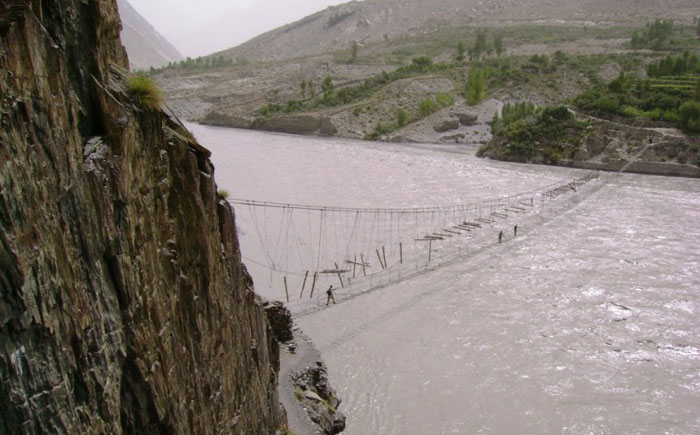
340,277
301,295
379,257
313,285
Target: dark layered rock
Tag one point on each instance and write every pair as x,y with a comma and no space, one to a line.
467,119
446,125
218,119
124,306
292,124
297,124
319,399
456,138
280,321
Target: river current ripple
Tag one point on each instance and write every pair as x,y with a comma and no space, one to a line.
587,324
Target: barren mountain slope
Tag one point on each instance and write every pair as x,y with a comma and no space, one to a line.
371,20
144,45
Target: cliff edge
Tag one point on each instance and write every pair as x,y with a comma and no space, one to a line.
124,306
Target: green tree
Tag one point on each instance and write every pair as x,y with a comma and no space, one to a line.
444,100
461,49
401,117
422,63
427,106
637,40
674,66
355,50
476,86
293,106
689,116
619,84
480,44
512,113
328,90
303,88
498,45
495,123
655,35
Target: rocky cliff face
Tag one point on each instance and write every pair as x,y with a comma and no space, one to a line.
124,306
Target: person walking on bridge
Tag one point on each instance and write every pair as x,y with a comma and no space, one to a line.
500,237
515,231
329,292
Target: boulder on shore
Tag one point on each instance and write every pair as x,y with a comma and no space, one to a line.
446,125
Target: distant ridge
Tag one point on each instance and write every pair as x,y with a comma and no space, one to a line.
371,20
144,45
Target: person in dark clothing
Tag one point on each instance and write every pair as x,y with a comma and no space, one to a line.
515,231
329,292
500,237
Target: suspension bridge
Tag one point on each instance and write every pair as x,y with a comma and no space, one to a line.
305,248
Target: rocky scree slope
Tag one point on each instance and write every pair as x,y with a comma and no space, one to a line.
372,20
124,307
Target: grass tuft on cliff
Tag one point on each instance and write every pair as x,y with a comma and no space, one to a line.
222,194
145,91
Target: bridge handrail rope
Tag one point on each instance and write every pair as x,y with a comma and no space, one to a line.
431,209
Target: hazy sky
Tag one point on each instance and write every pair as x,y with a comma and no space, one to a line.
198,27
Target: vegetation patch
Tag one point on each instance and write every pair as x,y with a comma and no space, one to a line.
476,86
431,105
641,99
222,194
656,35
379,131
331,97
145,91
401,117
689,116
426,107
666,35
670,66
547,137
512,113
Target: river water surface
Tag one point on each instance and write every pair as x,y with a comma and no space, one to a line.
587,323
